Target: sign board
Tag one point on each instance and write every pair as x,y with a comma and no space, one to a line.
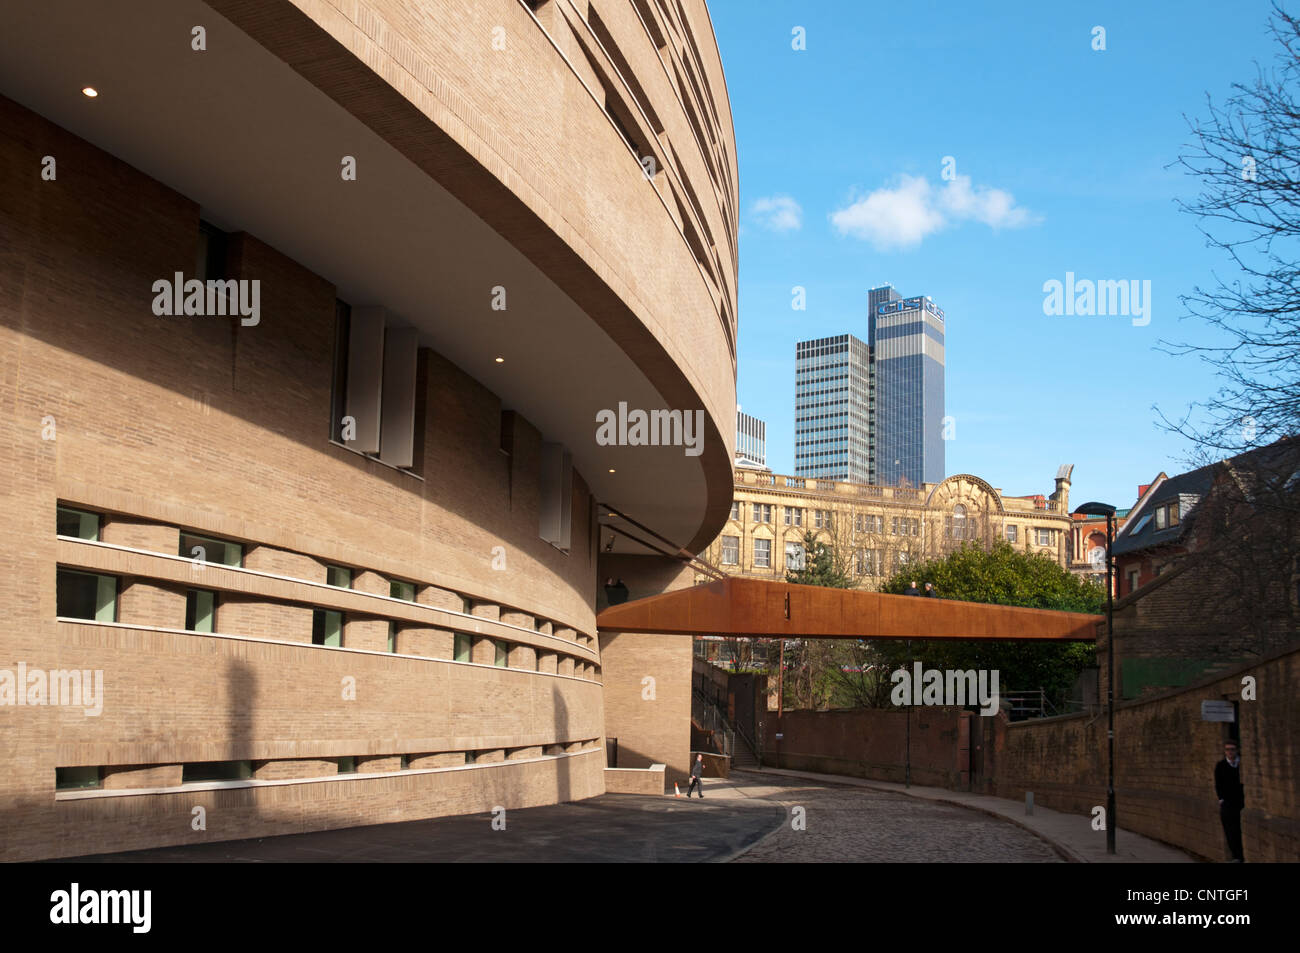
1218,711
779,736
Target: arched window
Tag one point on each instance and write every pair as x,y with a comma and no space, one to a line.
959,522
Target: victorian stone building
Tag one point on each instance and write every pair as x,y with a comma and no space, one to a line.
881,529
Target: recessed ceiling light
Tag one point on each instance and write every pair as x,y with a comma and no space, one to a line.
501,360
611,469
90,91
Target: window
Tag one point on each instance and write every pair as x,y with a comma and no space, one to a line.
1044,536
462,647
338,576
763,553
405,762
210,263
78,523
1011,533
216,771
467,605
1161,513
735,509
392,636
86,595
347,765
327,628
762,513
207,549
502,654
373,393
469,757
730,550
794,516
72,779
200,610
1173,514
868,562
555,512
402,590
1132,580
794,556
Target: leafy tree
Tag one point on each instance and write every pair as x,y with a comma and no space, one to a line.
1001,575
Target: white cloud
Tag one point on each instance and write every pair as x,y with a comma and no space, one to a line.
778,213
903,216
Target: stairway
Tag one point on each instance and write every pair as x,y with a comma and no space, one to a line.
742,759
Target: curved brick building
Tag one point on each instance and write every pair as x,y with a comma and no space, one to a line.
329,335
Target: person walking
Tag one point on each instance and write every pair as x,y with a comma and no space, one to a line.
1232,797
930,591
697,775
911,590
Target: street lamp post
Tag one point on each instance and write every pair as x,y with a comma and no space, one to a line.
1108,511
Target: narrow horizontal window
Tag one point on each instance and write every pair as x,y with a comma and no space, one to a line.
208,549
86,595
78,523
327,628
216,771
72,779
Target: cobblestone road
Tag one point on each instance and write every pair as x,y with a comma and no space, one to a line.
746,818
848,824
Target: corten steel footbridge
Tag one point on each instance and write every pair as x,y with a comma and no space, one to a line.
761,608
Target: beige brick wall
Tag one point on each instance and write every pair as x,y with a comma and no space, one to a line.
132,395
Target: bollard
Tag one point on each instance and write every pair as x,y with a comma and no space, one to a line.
1029,802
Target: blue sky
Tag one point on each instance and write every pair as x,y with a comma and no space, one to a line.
1062,154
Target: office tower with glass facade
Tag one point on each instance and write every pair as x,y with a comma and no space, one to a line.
906,338
751,442
832,409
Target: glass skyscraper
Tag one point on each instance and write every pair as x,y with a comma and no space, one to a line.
751,441
872,412
832,406
906,338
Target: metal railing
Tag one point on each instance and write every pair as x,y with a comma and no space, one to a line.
707,716
1030,704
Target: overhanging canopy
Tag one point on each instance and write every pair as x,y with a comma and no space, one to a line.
769,609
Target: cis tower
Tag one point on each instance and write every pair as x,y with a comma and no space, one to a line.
873,412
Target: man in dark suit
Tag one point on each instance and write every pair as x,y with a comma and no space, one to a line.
697,776
912,590
1232,797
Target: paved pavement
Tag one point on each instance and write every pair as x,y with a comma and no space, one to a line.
608,829
748,818
1070,834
